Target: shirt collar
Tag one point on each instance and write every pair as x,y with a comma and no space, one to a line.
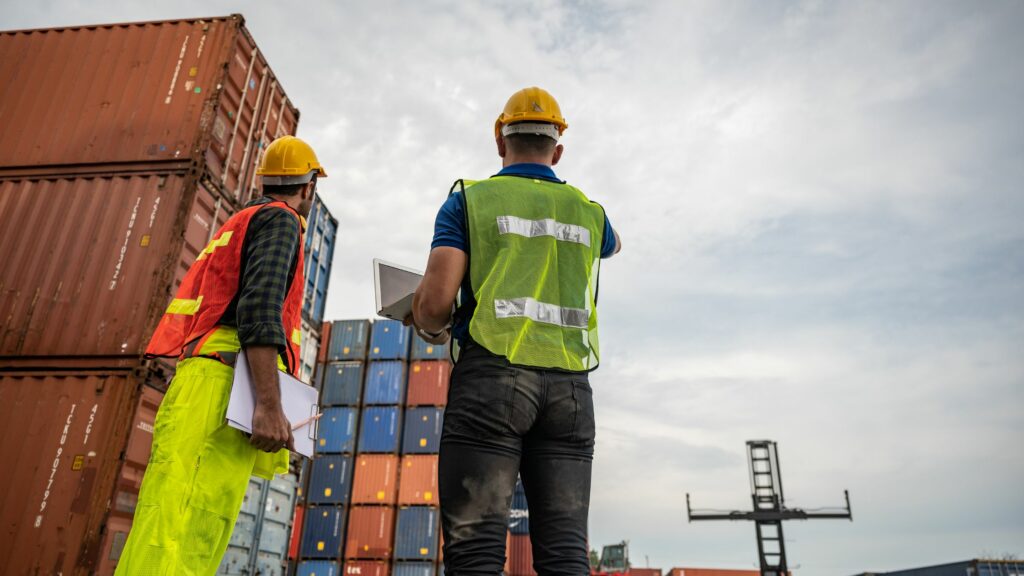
530,170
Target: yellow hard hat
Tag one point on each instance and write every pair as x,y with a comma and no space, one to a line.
289,160
531,105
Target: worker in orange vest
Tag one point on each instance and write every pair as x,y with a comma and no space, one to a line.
243,291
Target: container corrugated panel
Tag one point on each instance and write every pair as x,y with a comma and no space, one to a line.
129,481
336,430
370,532
389,340
201,91
414,569
116,258
417,481
519,556
322,532
318,568
645,571
325,343
423,350
428,383
416,533
713,572
422,431
235,562
519,513
330,481
309,348
342,384
270,564
366,568
295,539
385,382
379,429
349,339
376,479
281,498
243,534
60,475
320,236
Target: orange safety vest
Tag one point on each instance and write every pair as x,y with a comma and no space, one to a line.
212,283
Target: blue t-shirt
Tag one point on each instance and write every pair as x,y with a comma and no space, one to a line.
450,230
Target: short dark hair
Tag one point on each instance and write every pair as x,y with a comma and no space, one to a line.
530,144
284,189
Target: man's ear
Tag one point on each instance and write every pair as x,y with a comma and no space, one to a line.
557,155
500,141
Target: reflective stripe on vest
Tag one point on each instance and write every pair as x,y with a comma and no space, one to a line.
223,240
534,259
185,306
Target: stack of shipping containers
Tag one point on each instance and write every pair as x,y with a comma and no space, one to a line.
125,147
371,501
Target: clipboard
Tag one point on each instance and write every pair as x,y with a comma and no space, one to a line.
299,401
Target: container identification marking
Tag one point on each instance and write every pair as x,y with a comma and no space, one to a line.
177,70
55,465
124,247
78,462
92,419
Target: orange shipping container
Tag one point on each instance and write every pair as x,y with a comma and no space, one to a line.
141,94
428,383
371,532
325,343
519,556
645,572
71,429
366,568
417,481
375,479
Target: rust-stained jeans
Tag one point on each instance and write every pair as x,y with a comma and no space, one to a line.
501,420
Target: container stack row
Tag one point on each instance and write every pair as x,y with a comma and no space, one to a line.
371,499
116,173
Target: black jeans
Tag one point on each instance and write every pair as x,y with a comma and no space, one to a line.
501,420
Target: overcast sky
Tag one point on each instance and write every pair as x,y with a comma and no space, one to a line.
821,208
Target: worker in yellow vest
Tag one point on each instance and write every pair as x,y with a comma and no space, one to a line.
243,291
517,257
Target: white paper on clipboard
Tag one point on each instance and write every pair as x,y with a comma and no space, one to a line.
299,401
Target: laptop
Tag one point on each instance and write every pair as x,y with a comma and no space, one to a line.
394,286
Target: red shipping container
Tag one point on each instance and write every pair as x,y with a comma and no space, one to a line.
197,90
644,572
712,572
375,479
61,472
519,556
129,481
417,482
296,539
371,532
428,383
366,568
325,344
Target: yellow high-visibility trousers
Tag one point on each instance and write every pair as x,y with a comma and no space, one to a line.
196,478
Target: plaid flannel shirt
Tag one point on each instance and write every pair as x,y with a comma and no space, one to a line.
269,254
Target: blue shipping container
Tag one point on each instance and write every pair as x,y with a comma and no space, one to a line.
321,229
379,429
414,569
318,568
416,533
385,382
330,481
519,514
389,340
337,430
322,532
422,350
348,340
422,430
342,384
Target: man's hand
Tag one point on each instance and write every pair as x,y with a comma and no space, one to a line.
271,430
438,340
